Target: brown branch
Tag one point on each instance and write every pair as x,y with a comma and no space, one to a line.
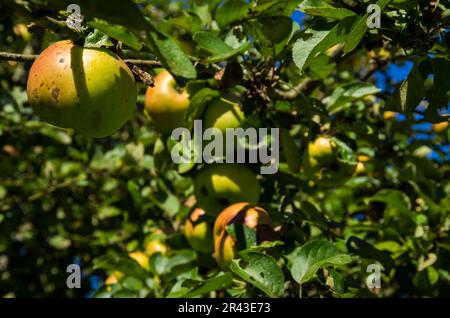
17,57
305,87
30,57
308,85
149,63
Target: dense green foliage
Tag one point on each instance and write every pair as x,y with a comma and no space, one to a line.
66,198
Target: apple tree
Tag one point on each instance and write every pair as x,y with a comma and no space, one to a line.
91,91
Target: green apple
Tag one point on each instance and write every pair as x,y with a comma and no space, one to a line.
89,90
222,114
198,232
322,163
220,185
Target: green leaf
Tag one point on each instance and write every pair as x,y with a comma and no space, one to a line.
198,104
324,9
122,264
410,93
210,42
220,50
274,7
244,236
262,271
276,28
362,248
97,39
314,255
171,55
231,11
319,39
132,283
220,282
160,264
344,96
117,32
393,198
57,134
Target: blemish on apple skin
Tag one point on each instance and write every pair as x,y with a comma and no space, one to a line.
61,60
35,93
55,93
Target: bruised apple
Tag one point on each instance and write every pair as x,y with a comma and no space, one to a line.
198,233
165,104
89,90
220,185
253,217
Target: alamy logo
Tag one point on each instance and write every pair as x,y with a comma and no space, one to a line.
374,16
374,279
236,145
74,279
74,20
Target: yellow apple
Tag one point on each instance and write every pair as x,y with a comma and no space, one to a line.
165,104
89,90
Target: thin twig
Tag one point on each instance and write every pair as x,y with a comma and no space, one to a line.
17,57
303,88
149,63
8,56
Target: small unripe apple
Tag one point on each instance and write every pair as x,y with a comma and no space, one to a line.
323,150
89,90
322,165
198,232
165,104
220,185
253,217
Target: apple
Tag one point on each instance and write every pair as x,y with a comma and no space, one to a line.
322,164
222,114
322,150
198,232
244,213
165,104
220,185
89,90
